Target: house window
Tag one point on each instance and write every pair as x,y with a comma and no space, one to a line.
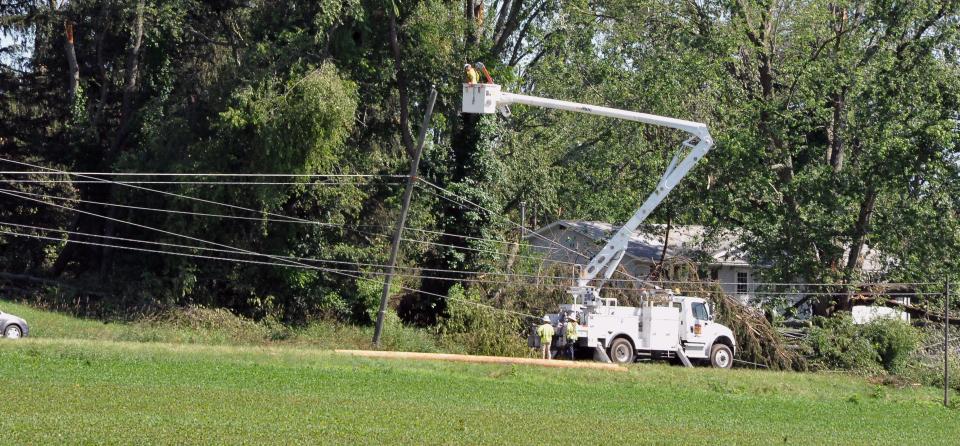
742,278
715,274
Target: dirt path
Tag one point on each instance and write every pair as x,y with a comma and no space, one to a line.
482,359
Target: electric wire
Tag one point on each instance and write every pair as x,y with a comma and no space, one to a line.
204,183
258,262
663,282
193,174
291,263
381,235
182,196
129,184
361,264
332,270
533,233
175,245
467,201
202,214
173,211
297,219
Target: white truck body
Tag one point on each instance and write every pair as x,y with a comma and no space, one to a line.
662,328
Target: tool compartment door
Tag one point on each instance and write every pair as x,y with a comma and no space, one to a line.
661,328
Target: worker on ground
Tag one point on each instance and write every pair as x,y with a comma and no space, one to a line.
472,75
545,331
570,332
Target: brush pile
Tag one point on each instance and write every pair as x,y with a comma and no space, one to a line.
757,339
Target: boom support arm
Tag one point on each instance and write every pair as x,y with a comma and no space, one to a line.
487,98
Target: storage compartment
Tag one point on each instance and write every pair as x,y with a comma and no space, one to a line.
660,328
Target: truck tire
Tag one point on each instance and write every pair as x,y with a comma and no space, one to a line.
621,351
721,357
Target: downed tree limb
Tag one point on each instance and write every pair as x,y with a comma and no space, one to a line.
481,359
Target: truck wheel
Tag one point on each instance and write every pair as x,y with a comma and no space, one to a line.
721,357
621,351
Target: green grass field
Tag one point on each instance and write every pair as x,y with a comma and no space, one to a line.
220,327
79,391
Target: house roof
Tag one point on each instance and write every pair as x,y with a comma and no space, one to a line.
721,247
689,241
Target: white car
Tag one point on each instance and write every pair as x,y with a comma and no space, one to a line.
13,327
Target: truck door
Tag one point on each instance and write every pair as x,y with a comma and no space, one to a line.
693,321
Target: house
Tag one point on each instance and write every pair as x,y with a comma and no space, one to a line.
719,251
716,255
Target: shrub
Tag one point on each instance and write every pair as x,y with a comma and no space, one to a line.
837,343
882,344
893,340
480,330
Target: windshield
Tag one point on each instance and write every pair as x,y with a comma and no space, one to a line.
699,310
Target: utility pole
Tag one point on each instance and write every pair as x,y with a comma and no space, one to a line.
946,337
395,248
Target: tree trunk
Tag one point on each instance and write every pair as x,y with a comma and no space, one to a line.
860,231
129,80
126,119
835,130
401,79
658,267
73,78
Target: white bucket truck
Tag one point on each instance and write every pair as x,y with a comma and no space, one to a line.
665,325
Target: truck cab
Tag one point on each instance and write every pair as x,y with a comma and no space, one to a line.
664,326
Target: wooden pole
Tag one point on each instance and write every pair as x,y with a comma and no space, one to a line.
946,337
395,247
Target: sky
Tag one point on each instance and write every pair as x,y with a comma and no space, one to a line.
7,39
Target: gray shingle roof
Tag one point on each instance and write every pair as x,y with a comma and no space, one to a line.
690,241
717,246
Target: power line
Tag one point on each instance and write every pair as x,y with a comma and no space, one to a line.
561,246
191,174
236,217
682,282
205,183
467,237
663,282
360,264
504,218
201,214
182,196
261,213
337,271
295,219
256,262
220,244
85,175
175,245
172,211
490,251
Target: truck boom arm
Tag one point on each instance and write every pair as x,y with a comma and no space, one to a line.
487,98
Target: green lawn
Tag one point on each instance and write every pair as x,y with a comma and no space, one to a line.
63,391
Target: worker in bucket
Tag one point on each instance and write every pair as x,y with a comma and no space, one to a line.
570,332
545,331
